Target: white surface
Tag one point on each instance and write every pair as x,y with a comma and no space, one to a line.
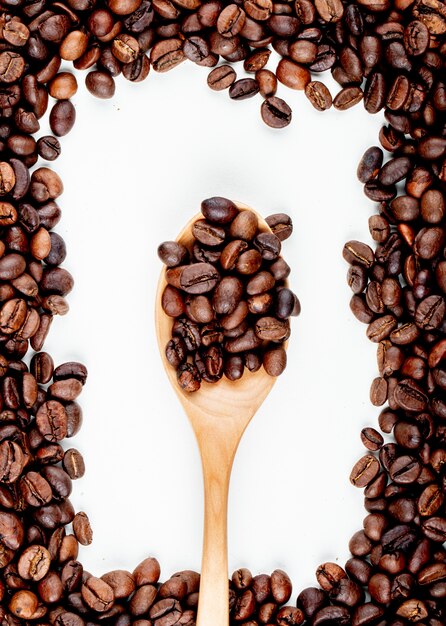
135,169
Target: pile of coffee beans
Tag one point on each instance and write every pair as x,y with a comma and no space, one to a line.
228,295
389,55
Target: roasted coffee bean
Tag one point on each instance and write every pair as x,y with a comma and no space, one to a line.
370,164
364,471
394,52
358,253
199,278
97,594
219,210
244,226
172,253
409,396
227,295
62,117
292,74
100,84
267,82
319,95
221,78
188,377
274,362
268,245
208,234
51,420
243,88
73,463
276,113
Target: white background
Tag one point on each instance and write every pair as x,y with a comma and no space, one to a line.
135,170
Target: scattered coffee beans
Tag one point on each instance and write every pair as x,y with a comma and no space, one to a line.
388,55
230,310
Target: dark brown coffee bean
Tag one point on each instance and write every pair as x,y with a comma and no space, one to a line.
274,362
371,439
243,88
261,283
167,54
82,529
12,461
227,295
221,78
435,529
172,253
199,278
359,253
208,234
272,329
409,396
188,377
268,245
276,113
100,84
267,82
62,117
370,164
73,463
219,210
249,262
347,98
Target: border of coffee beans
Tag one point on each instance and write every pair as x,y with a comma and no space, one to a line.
391,56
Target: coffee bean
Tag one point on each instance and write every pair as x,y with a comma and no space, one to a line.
219,210
267,82
231,20
243,88
409,396
97,594
371,439
370,164
73,463
208,234
221,78
276,113
356,252
172,253
62,117
82,529
347,98
329,10
364,471
199,278
319,95
188,377
274,362
34,563
100,84
292,74
51,420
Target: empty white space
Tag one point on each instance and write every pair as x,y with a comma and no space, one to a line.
135,170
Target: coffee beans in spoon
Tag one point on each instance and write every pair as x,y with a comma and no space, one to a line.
227,296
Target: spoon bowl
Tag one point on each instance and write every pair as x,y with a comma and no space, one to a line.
219,414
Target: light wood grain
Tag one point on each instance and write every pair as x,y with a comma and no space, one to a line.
219,414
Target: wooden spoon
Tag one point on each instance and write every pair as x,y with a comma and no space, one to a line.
219,414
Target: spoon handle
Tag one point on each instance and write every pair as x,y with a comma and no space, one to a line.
217,455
